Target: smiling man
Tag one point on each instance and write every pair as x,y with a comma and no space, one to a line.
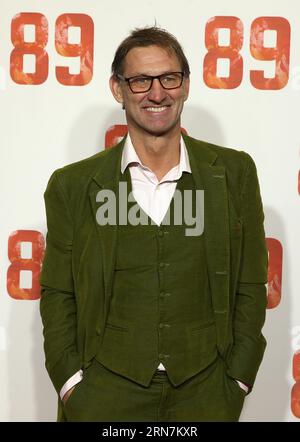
141,321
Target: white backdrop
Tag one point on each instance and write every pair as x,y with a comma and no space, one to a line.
45,126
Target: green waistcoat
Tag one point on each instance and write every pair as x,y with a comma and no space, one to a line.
160,307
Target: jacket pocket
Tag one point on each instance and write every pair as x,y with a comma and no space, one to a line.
196,327
120,328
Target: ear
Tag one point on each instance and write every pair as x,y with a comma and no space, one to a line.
186,87
116,89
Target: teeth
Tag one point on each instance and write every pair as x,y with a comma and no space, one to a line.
156,109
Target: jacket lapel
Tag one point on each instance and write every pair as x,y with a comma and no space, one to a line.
212,179
107,178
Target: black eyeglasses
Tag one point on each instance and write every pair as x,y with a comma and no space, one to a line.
143,83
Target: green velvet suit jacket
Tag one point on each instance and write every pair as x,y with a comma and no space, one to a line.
77,273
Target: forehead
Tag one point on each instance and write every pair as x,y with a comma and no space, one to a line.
151,60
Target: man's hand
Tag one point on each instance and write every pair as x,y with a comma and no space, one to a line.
68,394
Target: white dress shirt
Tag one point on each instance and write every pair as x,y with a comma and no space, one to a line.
154,197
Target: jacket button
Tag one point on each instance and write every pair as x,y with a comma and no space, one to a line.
98,331
164,325
162,356
164,264
163,294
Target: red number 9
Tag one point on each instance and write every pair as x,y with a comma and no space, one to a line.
280,53
84,49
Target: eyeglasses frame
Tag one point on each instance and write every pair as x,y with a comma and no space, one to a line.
154,77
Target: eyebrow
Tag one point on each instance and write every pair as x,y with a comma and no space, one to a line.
148,75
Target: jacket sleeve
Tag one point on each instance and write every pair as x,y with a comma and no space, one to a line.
58,302
250,299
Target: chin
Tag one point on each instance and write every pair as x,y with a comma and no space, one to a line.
160,131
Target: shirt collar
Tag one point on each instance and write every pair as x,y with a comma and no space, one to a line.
130,157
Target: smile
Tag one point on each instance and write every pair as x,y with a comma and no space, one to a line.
156,109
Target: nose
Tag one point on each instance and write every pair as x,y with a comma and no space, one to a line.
157,93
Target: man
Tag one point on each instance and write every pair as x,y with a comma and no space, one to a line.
144,322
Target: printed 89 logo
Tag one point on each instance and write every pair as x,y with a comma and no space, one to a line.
84,49
217,51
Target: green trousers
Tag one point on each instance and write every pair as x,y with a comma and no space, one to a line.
105,396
